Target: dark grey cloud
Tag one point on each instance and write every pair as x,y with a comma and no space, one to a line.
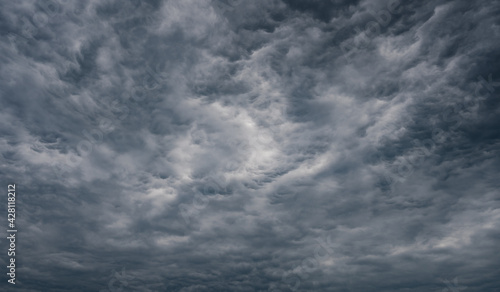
234,145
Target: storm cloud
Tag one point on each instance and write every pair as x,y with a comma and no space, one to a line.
267,145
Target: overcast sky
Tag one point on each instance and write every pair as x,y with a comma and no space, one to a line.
264,145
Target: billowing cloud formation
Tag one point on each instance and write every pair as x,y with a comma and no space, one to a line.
260,145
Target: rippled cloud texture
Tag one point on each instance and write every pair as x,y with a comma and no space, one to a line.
266,145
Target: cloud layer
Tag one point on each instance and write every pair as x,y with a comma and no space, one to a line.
260,145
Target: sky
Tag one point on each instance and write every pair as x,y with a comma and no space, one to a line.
265,145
